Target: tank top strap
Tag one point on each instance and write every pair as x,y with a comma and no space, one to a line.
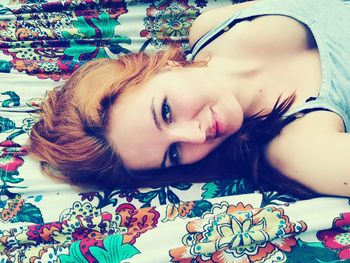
266,7
212,35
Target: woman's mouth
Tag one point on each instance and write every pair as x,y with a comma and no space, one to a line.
212,130
217,127
220,125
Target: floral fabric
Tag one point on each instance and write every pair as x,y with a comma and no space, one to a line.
42,42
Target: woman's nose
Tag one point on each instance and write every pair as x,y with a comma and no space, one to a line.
187,132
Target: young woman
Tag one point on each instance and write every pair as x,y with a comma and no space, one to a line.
265,93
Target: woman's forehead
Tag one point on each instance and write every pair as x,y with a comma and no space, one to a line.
133,133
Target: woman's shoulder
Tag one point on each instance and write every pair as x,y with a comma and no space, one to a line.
212,18
314,150
300,133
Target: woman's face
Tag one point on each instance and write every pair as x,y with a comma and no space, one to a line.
178,117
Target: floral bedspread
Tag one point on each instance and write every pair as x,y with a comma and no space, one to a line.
42,43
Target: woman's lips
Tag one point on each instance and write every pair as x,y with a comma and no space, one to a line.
212,130
217,127
220,124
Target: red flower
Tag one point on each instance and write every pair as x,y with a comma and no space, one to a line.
338,238
44,233
11,148
9,143
10,163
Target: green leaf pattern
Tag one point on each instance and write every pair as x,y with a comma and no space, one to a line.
106,27
13,101
114,251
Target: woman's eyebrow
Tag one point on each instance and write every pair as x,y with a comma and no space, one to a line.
155,117
159,127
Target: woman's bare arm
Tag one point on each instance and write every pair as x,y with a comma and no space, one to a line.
314,151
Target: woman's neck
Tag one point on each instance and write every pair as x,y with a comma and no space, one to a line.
258,83
244,79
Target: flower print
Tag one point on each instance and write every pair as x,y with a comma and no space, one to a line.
53,76
128,194
92,239
9,240
169,23
25,65
3,25
238,233
44,253
35,63
23,33
48,67
181,210
338,238
82,216
86,13
185,209
9,147
137,221
116,8
88,234
12,208
45,233
239,208
201,3
89,196
9,143
10,163
20,65
94,35
35,103
27,124
176,24
285,244
84,219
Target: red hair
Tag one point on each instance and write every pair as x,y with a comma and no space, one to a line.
70,138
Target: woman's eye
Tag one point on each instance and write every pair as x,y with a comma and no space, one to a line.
166,111
173,153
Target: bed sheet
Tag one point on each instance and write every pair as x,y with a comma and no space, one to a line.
41,220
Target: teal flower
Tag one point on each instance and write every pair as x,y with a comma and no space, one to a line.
171,23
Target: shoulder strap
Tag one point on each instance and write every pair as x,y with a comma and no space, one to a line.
213,34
